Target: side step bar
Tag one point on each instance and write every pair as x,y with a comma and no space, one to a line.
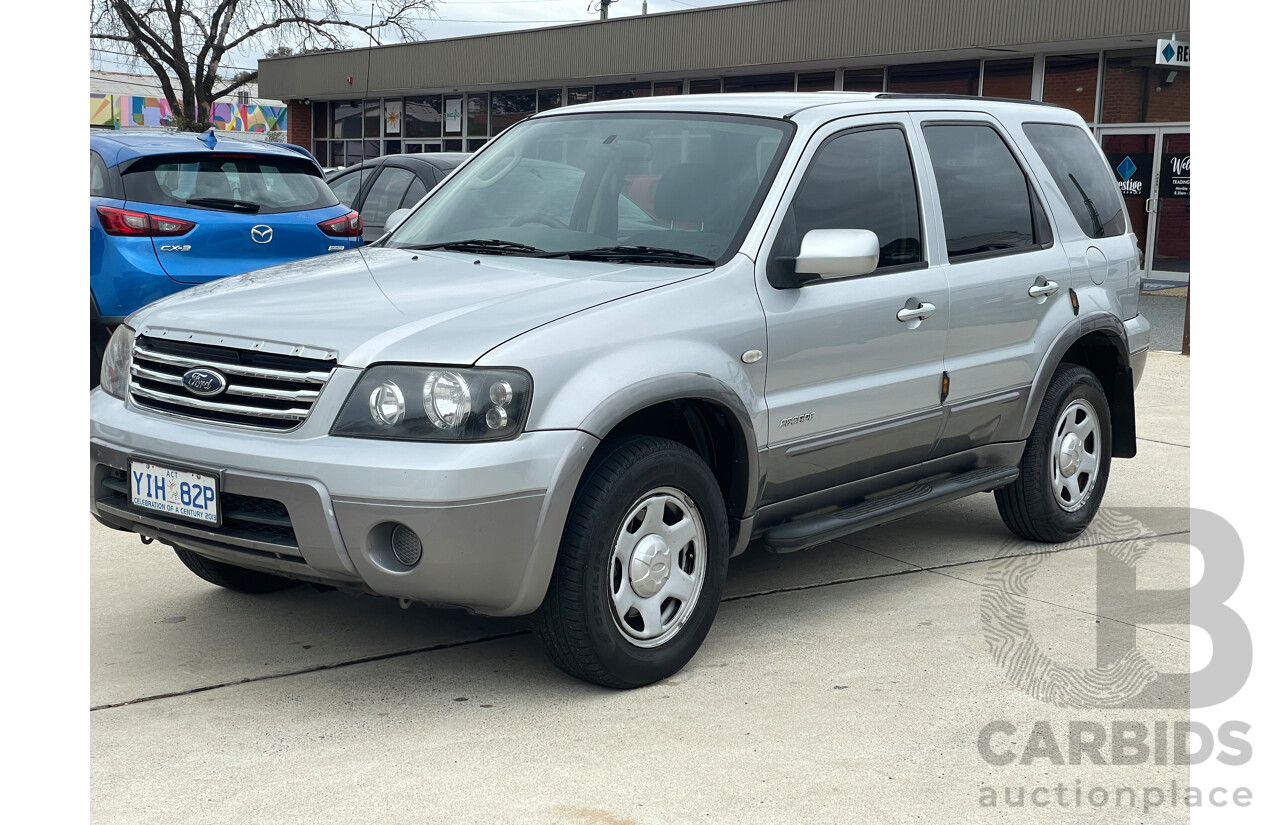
808,532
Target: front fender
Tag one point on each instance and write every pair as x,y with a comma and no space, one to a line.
685,340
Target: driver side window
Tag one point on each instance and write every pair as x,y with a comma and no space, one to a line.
859,180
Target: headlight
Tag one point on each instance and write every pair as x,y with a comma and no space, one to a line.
436,404
116,363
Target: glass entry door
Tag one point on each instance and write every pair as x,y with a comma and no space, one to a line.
1153,169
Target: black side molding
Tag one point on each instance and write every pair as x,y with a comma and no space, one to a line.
808,532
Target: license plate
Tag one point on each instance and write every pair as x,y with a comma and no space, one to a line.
172,492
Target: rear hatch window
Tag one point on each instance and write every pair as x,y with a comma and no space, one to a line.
251,184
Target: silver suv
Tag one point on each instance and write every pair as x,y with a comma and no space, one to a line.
625,340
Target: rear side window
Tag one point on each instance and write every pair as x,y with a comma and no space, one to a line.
386,193
1083,179
99,186
988,207
249,183
860,180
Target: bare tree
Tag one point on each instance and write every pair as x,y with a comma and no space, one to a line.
184,42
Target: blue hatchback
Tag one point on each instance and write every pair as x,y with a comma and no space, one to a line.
169,211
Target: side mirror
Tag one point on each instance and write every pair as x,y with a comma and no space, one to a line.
395,219
838,253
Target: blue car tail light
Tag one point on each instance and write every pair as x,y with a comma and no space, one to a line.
117,221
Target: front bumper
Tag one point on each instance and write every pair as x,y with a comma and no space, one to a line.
320,509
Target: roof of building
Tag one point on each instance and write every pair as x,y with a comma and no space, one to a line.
743,38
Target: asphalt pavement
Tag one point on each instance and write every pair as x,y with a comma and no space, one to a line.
882,678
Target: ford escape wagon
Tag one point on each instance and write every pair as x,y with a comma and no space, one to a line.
545,391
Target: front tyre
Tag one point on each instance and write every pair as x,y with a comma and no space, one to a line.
641,567
1066,462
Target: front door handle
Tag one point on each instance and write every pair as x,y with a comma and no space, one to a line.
920,313
1043,290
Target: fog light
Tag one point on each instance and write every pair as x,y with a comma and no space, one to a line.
406,545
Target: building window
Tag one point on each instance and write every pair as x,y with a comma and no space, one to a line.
320,149
509,108
623,91
1007,78
549,99
816,82
320,120
423,117
675,87
373,118
955,78
704,87
761,83
581,94
864,80
1135,90
478,115
1071,81
347,120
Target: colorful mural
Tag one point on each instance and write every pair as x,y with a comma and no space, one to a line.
101,111
122,111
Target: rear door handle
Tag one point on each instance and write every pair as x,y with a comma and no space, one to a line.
920,313
1043,290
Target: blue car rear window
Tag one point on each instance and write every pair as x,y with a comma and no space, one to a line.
253,184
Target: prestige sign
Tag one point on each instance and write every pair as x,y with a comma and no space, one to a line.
1173,53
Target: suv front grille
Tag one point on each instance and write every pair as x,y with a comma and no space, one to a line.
264,390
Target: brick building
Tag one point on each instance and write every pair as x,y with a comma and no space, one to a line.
1096,57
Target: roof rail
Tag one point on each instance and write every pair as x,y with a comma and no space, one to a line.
928,96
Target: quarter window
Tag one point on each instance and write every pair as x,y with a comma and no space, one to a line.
987,204
416,192
346,188
1083,179
859,180
98,185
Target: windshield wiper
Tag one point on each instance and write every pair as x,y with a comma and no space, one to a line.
488,246
637,254
226,203
1093,213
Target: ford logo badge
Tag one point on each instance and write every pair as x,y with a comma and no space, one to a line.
204,382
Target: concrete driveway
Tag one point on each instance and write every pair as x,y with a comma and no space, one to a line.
850,683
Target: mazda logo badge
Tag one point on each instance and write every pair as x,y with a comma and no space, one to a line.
204,382
261,233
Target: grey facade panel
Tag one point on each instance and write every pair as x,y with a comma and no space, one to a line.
712,41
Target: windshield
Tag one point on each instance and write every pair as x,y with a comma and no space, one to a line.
255,184
622,186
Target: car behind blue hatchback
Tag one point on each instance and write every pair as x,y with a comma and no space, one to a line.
168,211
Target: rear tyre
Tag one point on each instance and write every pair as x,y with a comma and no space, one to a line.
1066,462
641,567
231,577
